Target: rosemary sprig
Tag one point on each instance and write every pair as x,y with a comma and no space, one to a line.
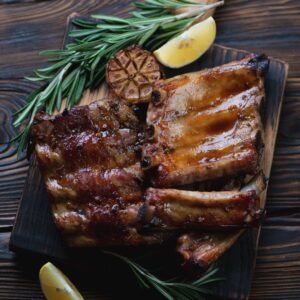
81,65
174,289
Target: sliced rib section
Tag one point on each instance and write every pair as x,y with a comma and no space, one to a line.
88,157
169,209
199,249
206,125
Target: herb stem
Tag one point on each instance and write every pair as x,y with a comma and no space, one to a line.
81,65
170,289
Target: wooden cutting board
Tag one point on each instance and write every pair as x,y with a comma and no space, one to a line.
34,231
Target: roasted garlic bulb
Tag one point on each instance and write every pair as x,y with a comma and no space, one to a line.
131,74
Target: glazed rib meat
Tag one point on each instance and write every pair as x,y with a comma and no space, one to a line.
200,249
206,125
169,209
92,174
111,183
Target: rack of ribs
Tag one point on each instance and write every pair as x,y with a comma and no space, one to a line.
169,209
110,182
89,161
200,249
206,125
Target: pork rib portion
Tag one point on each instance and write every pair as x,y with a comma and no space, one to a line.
206,125
169,209
91,169
203,126
200,249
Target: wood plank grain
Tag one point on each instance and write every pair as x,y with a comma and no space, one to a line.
274,27
271,27
277,273
5,2
284,189
277,270
12,171
19,277
293,87
38,26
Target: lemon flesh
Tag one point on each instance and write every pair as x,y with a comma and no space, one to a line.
188,46
56,286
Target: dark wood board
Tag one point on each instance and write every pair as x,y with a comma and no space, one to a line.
34,231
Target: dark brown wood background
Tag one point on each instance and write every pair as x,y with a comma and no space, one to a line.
269,26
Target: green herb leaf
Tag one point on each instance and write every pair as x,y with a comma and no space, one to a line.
81,64
171,289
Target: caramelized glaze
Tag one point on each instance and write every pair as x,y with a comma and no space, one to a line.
171,208
202,126
201,249
88,157
206,124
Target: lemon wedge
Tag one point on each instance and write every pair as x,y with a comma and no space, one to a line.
188,46
56,286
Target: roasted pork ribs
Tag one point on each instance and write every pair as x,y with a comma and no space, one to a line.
88,157
200,249
113,182
206,125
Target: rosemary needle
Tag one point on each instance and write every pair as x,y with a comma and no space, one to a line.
175,289
81,65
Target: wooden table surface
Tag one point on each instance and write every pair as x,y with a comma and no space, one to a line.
269,26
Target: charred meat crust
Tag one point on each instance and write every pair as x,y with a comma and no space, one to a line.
90,165
90,159
200,250
260,63
169,209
